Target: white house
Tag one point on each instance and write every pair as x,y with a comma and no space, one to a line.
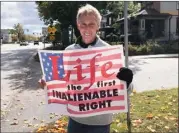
156,19
5,36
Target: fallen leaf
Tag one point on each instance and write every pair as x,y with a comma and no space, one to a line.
149,116
14,123
170,103
156,117
172,118
34,118
150,128
52,116
117,121
134,91
166,118
169,113
18,113
22,108
166,127
29,125
26,121
136,122
42,121
157,96
174,100
119,124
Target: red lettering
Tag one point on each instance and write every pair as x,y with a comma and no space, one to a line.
67,77
54,60
79,70
92,71
106,67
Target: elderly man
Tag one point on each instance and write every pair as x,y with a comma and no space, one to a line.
88,22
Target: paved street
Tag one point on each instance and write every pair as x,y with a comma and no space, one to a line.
154,72
27,108
14,67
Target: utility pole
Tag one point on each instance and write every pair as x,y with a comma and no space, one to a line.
126,60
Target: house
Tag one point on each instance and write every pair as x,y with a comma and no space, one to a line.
106,25
5,36
156,20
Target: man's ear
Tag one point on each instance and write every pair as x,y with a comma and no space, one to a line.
77,24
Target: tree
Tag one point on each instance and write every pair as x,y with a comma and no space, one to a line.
18,31
117,7
65,13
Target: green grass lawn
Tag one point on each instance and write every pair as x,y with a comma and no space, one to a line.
152,111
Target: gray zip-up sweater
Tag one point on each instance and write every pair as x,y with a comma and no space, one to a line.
104,119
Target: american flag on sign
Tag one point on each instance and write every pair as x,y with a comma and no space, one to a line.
74,68
47,65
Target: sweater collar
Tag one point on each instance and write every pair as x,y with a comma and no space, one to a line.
83,45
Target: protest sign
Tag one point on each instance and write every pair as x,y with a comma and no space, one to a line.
83,82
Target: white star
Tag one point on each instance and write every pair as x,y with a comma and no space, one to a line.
43,60
45,54
48,64
49,78
61,66
46,69
58,72
50,73
50,58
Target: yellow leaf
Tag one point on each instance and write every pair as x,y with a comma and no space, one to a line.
134,91
166,118
166,127
170,103
169,113
117,121
150,128
157,96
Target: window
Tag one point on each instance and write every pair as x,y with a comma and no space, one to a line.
142,24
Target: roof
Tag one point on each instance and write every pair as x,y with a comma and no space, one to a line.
146,12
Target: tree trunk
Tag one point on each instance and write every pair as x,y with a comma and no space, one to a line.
65,37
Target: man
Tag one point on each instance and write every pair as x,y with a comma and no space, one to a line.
88,23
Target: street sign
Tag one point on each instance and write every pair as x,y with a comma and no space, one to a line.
51,30
44,31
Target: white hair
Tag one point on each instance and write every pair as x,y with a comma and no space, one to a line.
89,9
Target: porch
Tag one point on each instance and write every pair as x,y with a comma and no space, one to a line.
148,24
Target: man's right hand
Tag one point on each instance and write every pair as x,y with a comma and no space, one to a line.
42,83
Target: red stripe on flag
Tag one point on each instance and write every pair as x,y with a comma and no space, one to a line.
99,59
82,53
87,70
57,101
97,110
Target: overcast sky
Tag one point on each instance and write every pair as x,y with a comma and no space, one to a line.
24,13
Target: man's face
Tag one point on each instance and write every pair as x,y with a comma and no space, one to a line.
88,27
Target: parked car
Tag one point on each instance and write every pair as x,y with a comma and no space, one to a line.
36,42
24,43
